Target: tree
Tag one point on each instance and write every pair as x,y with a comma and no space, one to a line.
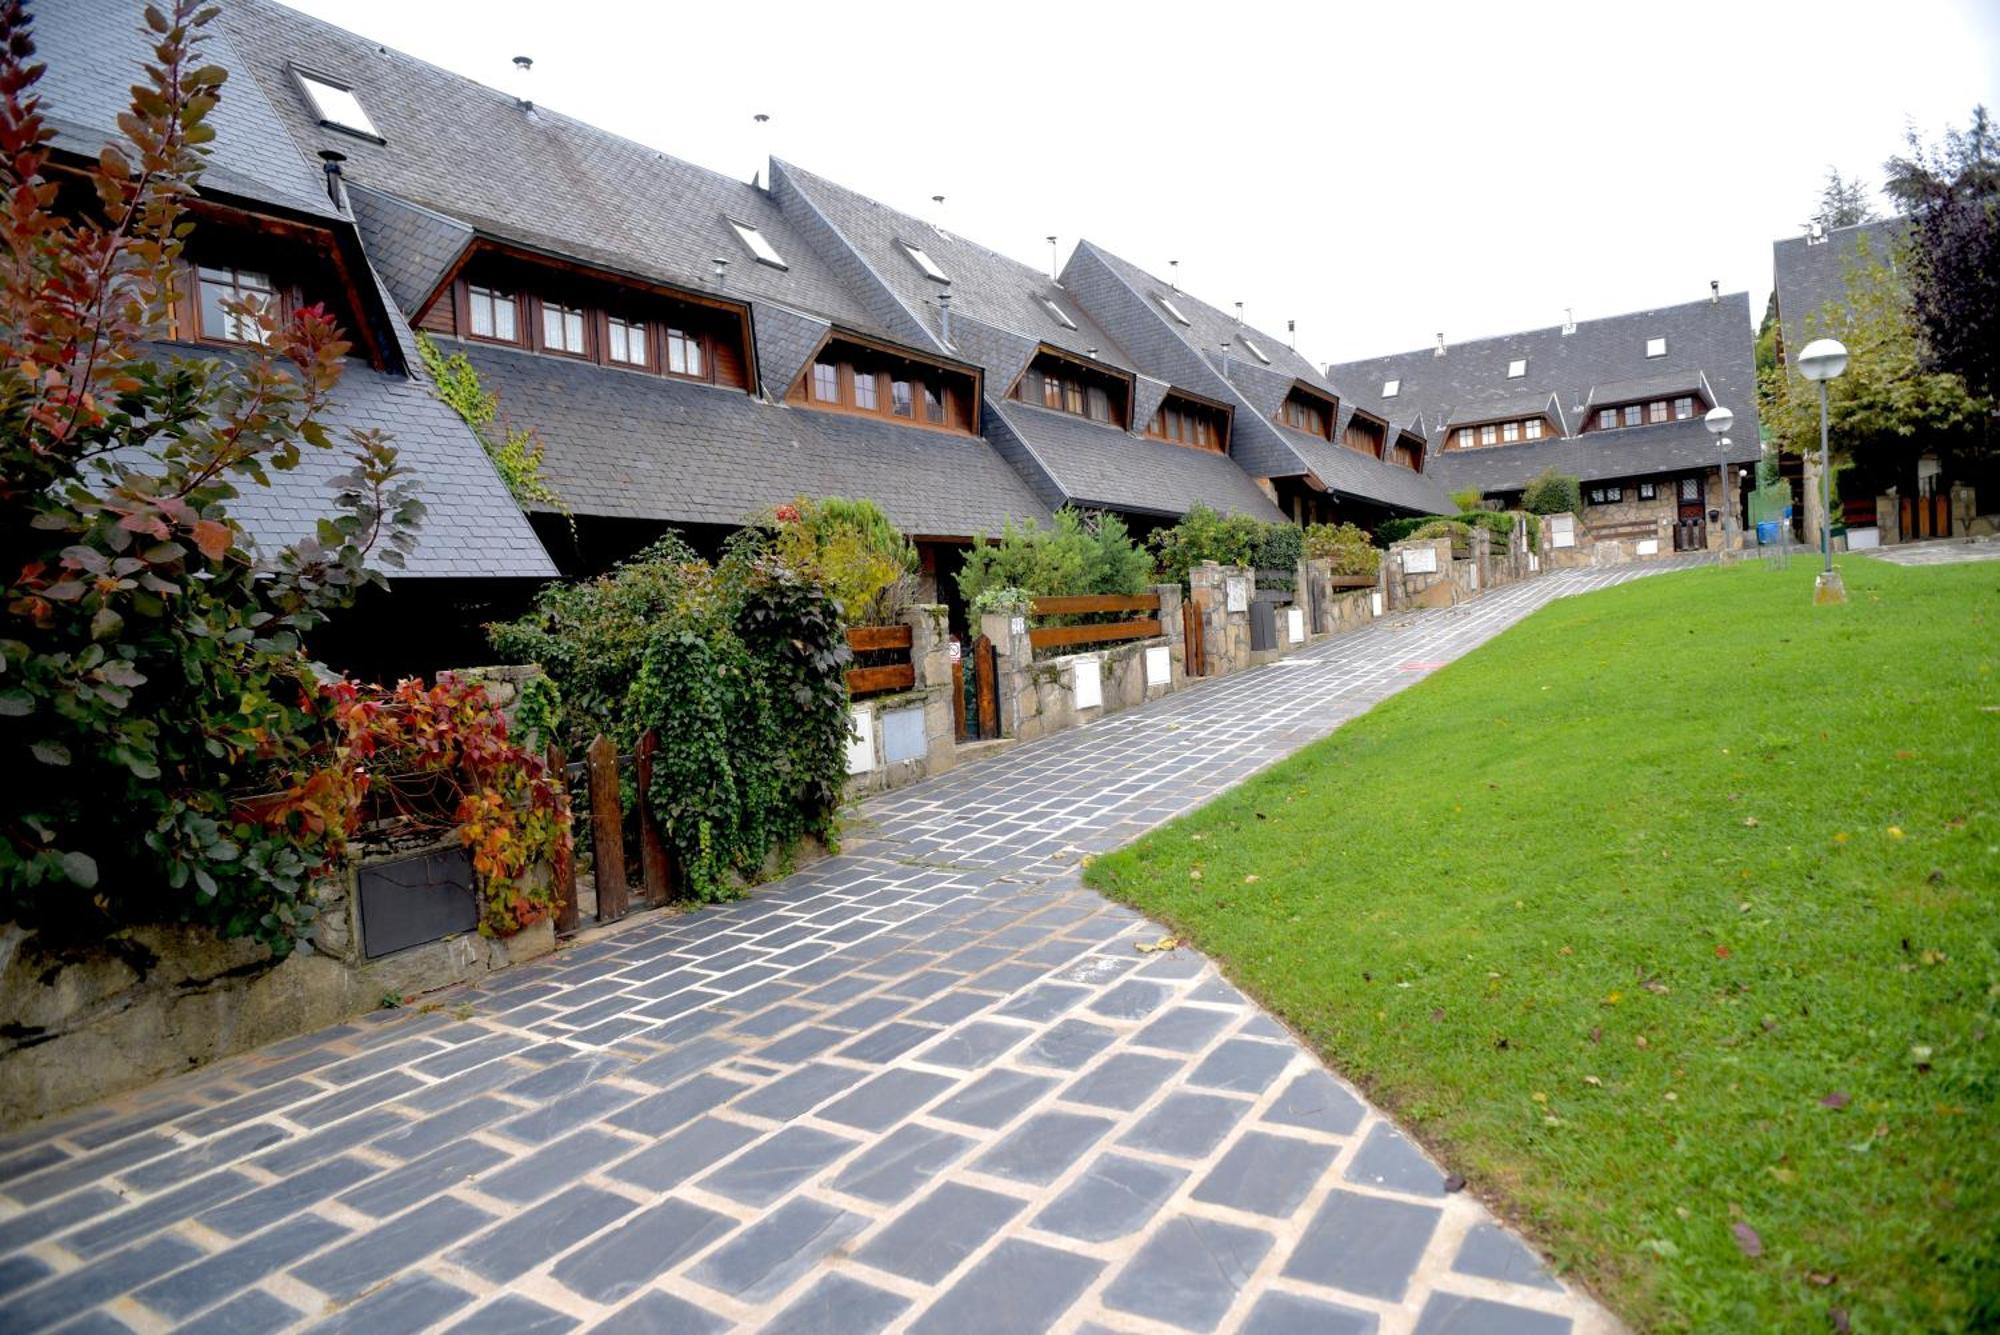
1553,493
151,675
1951,194
1886,405
1843,203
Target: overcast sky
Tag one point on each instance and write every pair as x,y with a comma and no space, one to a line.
1377,173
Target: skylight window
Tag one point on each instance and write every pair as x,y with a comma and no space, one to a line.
926,263
1517,368
1391,388
1174,311
1057,314
756,243
1656,347
1256,352
336,105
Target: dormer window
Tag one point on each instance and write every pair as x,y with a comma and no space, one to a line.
625,341
1174,311
1391,388
492,315
1656,347
1517,368
874,382
562,329
758,245
335,105
923,261
249,292
1055,382
1186,422
1057,314
1256,352
1308,413
1363,436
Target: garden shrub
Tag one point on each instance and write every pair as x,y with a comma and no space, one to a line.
151,672
1552,493
1204,535
1392,531
1458,531
1468,498
850,549
1345,547
1279,547
1075,554
1007,600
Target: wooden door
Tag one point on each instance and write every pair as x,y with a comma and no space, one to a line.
1194,653
1691,523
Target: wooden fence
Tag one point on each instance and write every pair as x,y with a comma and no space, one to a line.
1351,581
599,773
881,642
1105,632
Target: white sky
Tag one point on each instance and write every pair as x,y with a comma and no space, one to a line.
1377,173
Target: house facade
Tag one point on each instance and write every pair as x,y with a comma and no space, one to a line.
1617,403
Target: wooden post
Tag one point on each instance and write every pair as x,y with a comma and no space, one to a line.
564,870
958,697
987,665
653,856
607,829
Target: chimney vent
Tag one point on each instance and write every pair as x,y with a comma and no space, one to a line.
1569,321
522,66
330,160
721,269
1292,335
1092,353
1714,291
1054,277
1440,346
1174,276
1239,312
944,315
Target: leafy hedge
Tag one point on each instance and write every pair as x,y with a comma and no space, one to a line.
1232,540
1346,547
1552,493
1077,553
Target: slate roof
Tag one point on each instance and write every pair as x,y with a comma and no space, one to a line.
631,445
1810,277
1520,405
1125,298
531,175
1099,465
410,246
1707,342
473,527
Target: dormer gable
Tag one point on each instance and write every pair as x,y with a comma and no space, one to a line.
1064,382
1306,409
1192,420
850,373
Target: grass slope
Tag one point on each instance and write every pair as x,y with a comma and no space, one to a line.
1671,918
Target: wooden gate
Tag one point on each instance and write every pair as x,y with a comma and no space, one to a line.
1691,525
1194,661
1926,517
985,688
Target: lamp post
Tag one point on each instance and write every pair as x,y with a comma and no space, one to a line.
1822,360
1718,420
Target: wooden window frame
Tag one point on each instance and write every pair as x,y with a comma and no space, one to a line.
645,330
936,401
283,301
1192,426
584,322
1687,399
514,298
1510,433
1649,491
1531,429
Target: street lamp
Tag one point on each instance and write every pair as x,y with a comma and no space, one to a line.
1822,360
1718,420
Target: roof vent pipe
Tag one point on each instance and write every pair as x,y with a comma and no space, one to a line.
1569,321
1225,359
1714,291
763,149
1091,353
1239,312
1054,277
330,160
1174,276
721,269
522,65
1440,346
1292,335
944,314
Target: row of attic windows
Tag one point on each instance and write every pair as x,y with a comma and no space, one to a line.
853,378
1517,368
1646,414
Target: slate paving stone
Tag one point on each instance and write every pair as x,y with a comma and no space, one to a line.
672,1066
282,1199
68,1295
887,1043
1183,1029
994,1099
181,1203
772,1020
802,1044
553,1166
1265,1174
901,1163
1042,1147
1018,1286
656,1313
885,1100
805,1088
399,1189
1067,1045
838,1305
511,1314
419,1138
773,1167
185,1292
649,1244
762,1261
1114,1197
952,1007
514,1247
1176,964
411,1304
1492,1253
18,1272
1280,1313
658,1114
1187,1126
1364,1244
1387,1159
867,1012
1456,1314
346,1102
72,1173
1316,1101
353,1266
974,1045
1241,1066
1008,977
1189,1272
1043,1003
252,1313
930,1239
1123,1081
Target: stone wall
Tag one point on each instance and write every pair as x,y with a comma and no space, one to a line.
900,738
1418,572
1337,610
1222,593
1039,697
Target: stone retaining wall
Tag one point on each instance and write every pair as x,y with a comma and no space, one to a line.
901,738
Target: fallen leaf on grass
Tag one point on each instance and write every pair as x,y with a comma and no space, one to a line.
1252,879
1820,1279
1164,943
1895,832
1835,1100
1592,1081
1195,874
1838,1316
1722,952
1747,1240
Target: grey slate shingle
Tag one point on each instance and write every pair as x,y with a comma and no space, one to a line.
1810,277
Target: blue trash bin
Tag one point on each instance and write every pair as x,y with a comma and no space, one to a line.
1767,532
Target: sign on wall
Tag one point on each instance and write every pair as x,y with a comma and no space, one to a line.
1420,560
1562,530
1087,683
1239,594
1159,667
861,740
1648,547
1295,624
1375,601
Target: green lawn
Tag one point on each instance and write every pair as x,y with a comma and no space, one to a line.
1672,910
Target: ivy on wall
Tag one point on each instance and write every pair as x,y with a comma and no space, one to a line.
516,451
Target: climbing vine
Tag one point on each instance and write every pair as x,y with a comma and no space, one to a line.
516,451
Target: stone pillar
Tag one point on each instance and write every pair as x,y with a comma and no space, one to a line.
1314,580
1482,557
930,655
1170,614
1889,519
1813,510
1013,659
1964,509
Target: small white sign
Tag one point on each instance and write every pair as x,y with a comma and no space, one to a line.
1562,531
1295,623
1861,539
860,739
1648,547
1420,560
1087,683
1159,667
1375,599
1239,594
1534,563
957,651
1474,572
1020,625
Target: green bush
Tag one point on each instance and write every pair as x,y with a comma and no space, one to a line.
1230,540
1279,547
847,547
1468,498
1345,547
1459,532
1553,493
1076,553
1391,531
1007,600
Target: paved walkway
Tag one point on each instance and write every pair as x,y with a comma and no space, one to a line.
930,1085
1938,552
